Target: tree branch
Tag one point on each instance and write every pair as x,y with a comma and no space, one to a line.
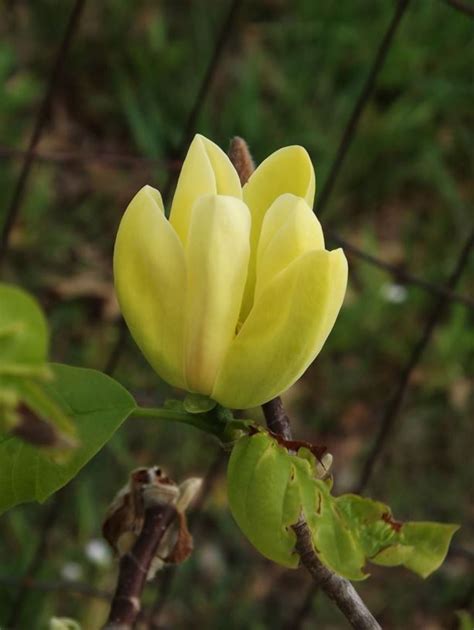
276,418
337,588
134,566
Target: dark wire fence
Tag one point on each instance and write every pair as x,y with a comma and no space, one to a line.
445,293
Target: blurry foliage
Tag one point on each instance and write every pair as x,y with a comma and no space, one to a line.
290,75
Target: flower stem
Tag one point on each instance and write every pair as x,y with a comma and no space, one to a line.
198,420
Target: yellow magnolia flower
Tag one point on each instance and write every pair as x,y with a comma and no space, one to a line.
235,295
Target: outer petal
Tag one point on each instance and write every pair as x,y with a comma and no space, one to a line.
289,229
285,330
288,170
217,258
150,279
206,170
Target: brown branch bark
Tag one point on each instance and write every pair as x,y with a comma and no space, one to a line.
276,418
336,588
134,566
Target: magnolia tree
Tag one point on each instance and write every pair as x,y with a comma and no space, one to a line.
230,300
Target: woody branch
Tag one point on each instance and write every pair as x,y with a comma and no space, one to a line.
337,588
134,567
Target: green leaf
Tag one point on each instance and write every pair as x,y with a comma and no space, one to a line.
98,406
270,487
24,335
430,542
337,542
393,556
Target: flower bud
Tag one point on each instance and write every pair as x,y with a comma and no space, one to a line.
235,295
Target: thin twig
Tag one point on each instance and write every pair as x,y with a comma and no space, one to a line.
123,160
399,274
359,106
188,131
336,587
119,160
40,123
302,612
108,159
134,567
393,407
189,128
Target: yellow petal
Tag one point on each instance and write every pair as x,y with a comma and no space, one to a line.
150,279
289,229
288,170
285,330
206,170
216,257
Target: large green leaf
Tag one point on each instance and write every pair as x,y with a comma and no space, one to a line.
97,404
270,487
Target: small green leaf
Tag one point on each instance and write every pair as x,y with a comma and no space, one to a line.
97,404
430,542
393,556
197,403
369,521
270,487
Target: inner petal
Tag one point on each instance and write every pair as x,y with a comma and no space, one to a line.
288,170
289,229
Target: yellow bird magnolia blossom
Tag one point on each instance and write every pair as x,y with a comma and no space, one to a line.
235,295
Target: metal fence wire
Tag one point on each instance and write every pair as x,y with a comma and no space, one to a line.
444,294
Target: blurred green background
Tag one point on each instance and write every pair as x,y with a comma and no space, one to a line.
289,74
